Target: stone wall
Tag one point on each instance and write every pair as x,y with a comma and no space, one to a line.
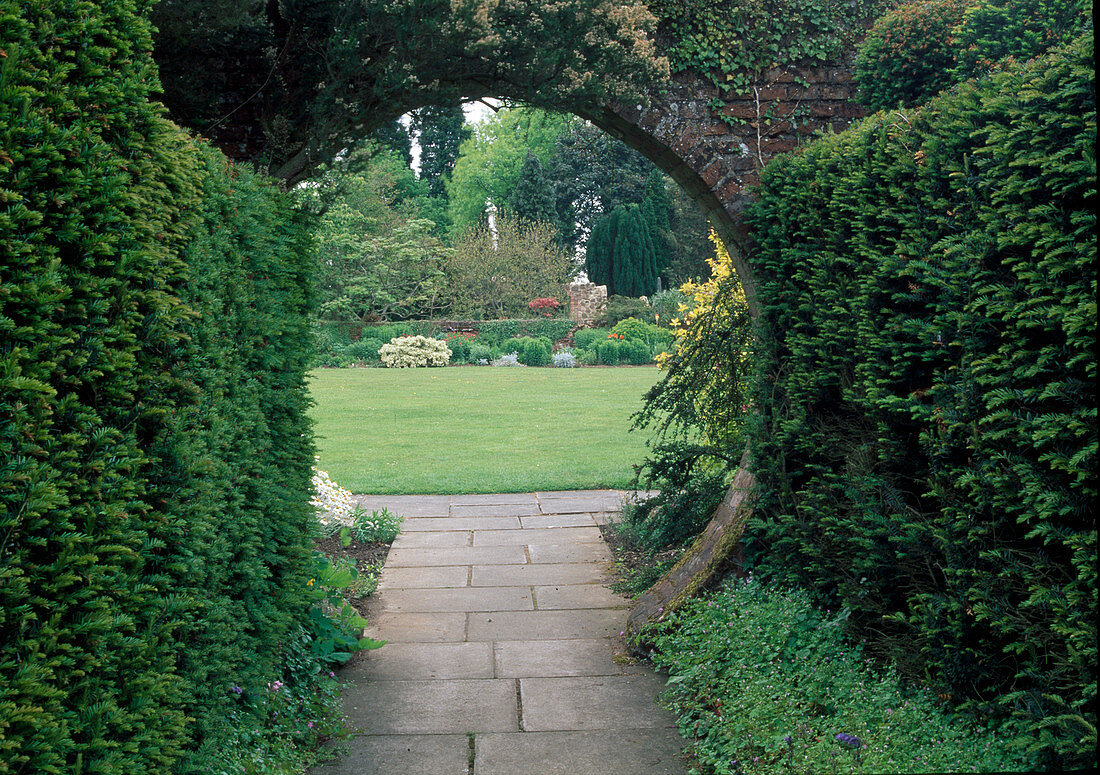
586,301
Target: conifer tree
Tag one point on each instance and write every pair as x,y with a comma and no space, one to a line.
440,130
533,198
597,262
657,209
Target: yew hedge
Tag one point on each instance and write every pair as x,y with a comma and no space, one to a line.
154,450
927,453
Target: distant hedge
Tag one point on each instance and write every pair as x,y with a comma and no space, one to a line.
154,451
928,449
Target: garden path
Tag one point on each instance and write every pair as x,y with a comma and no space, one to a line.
503,654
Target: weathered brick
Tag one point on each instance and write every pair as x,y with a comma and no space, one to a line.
771,93
714,129
739,110
774,145
713,173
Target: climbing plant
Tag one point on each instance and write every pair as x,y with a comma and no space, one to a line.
736,41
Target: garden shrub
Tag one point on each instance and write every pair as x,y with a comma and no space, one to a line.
762,682
408,352
608,352
565,359
920,48
385,332
508,359
480,352
363,350
927,449
154,510
993,31
909,53
635,352
669,305
535,352
459,344
655,337
585,338
623,307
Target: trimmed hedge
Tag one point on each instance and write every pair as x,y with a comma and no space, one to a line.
154,484
927,455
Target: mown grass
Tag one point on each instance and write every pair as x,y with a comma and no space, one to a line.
478,429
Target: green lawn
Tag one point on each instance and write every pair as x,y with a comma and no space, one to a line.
478,429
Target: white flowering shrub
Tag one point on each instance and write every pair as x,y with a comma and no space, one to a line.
335,506
511,359
408,352
565,359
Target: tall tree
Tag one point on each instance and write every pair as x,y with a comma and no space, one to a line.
621,253
440,130
490,162
656,209
532,199
395,137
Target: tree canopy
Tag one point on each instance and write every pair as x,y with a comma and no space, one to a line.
318,74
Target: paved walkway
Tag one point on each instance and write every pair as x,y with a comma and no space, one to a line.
502,647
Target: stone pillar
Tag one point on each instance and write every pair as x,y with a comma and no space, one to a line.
586,300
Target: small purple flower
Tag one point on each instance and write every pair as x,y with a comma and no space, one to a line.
788,740
238,690
848,741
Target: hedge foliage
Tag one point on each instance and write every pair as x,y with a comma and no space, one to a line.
155,465
922,47
928,448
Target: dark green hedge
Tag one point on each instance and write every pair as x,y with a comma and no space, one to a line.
154,451
928,448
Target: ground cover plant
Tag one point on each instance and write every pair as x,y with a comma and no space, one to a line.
478,430
763,682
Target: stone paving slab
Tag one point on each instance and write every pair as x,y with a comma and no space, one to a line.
495,499
549,535
544,625
568,553
558,520
434,707
418,627
425,660
456,555
571,596
503,652
460,599
599,752
537,575
437,539
402,755
586,702
497,510
407,505
558,658
424,578
574,505
462,523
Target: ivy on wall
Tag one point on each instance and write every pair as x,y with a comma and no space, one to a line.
736,41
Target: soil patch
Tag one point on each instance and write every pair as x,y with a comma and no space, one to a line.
368,557
636,570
